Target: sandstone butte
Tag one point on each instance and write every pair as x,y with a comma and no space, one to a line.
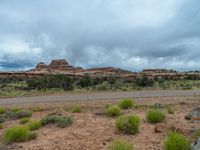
61,66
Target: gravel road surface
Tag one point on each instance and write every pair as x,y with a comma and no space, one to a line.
99,96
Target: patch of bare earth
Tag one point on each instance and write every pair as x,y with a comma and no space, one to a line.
93,131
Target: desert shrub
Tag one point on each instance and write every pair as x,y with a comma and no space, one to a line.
144,81
85,81
16,134
176,141
1,126
32,136
102,87
107,106
2,119
16,109
24,113
38,108
170,110
60,120
51,81
2,110
76,109
24,120
120,145
18,114
128,124
126,103
33,125
113,111
155,116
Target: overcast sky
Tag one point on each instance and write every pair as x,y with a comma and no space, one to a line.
131,34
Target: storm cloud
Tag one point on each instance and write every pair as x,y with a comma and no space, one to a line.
131,34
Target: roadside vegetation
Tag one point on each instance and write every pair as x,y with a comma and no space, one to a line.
50,84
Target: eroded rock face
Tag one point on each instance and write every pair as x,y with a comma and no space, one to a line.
196,145
194,115
41,65
60,64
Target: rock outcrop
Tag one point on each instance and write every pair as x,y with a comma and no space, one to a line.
61,66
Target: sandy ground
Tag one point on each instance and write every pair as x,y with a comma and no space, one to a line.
94,132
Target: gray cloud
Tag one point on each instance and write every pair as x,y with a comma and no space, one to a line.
132,34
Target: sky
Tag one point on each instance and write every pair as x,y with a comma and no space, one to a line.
128,34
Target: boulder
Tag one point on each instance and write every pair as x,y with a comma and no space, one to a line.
194,115
196,145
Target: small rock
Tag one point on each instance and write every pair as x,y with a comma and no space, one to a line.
196,145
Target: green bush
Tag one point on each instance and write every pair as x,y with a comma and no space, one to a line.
170,110
51,81
144,81
126,103
33,125
85,81
38,108
128,124
155,116
60,120
120,145
16,109
16,134
24,113
76,109
2,110
18,114
113,111
176,141
24,120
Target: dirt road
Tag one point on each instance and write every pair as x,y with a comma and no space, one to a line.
98,96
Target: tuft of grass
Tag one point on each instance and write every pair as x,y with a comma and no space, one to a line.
24,120
155,116
113,111
126,104
76,109
33,125
176,141
2,110
120,145
61,121
128,124
170,110
16,134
